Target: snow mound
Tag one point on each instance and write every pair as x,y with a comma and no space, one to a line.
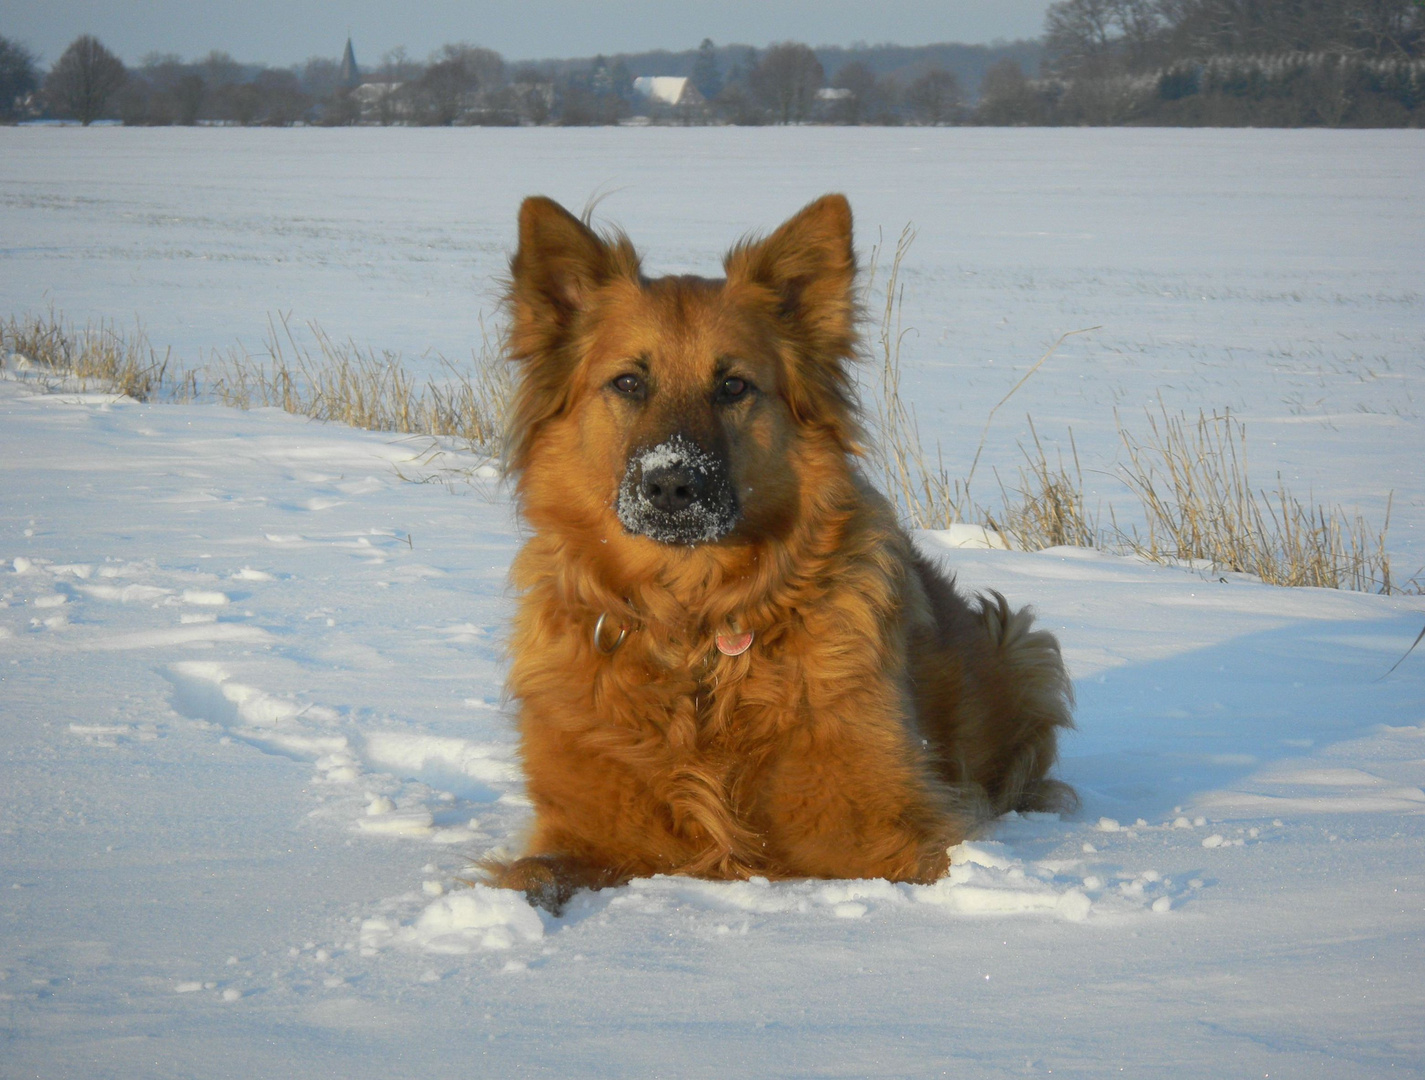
986,878
976,537
419,753
474,920
1299,789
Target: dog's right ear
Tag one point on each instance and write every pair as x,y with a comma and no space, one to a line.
559,264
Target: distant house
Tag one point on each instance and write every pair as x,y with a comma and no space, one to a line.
674,90
835,104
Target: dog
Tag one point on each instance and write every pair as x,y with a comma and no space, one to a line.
729,658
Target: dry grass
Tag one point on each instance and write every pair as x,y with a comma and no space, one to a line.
1046,508
1192,485
1189,480
328,380
325,380
925,495
95,357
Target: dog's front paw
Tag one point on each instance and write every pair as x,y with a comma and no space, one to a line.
547,881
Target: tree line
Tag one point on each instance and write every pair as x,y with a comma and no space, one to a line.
469,85
1218,62
1267,63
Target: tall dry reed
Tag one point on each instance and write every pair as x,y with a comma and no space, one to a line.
323,379
1189,481
1199,505
330,380
95,357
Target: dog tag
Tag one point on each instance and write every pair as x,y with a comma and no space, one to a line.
734,644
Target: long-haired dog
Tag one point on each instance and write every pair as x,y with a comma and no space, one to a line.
729,658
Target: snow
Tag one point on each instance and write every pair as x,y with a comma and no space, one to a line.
252,737
708,517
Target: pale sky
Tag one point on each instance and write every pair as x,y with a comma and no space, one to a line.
281,32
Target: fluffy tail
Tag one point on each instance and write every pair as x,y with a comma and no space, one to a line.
1040,698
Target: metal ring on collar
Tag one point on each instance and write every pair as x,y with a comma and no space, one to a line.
599,636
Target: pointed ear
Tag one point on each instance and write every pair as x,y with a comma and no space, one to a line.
560,262
810,266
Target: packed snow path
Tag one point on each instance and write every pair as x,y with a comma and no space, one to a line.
252,737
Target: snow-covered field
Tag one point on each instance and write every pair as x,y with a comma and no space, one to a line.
251,731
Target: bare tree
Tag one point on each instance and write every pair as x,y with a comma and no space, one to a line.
281,99
860,80
934,98
1096,37
321,76
397,66
390,86
1006,96
786,80
534,95
85,78
220,70
239,101
454,78
164,90
189,92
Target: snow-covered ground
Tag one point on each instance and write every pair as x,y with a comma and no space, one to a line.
1276,273
251,732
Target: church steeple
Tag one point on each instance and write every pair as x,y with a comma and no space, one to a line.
350,73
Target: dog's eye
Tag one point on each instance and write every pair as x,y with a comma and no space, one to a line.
733,389
628,384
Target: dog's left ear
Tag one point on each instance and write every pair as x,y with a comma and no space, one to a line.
560,262
809,267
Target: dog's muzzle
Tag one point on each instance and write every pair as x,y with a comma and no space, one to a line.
677,493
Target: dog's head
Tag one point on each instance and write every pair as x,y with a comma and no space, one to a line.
679,407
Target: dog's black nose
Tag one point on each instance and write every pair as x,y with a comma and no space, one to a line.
672,488
677,492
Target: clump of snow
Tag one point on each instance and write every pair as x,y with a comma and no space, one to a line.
962,535
479,918
408,752
417,822
205,597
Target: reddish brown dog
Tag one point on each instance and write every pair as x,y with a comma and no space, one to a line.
729,658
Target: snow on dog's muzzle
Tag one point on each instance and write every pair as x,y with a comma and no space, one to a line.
677,493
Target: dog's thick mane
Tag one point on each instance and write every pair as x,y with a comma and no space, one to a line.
756,583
